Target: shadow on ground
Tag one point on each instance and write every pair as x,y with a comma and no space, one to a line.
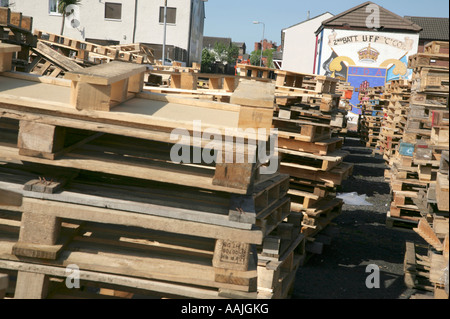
363,239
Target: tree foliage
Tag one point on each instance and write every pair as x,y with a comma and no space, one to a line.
255,57
221,53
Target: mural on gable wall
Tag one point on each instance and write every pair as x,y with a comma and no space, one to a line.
365,57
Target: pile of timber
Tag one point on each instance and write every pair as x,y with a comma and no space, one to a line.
419,188
426,266
344,106
310,155
88,180
90,53
428,269
397,97
372,114
316,95
183,81
17,29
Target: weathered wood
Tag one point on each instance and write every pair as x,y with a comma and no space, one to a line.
38,228
254,94
6,55
232,255
40,138
442,192
9,198
31,285
427,233
104,215
3,285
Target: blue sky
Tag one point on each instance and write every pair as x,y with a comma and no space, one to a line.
233,18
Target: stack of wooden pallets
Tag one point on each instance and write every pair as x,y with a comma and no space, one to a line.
93,179
309,153
15,28
419,189
90,53
372,115
396,98
344,107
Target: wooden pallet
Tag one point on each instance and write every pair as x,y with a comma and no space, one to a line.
331,178
420,60
416,268
131,118
304,131
15,28
400,223
94,53
319,84
318,148
190,81
55,246
286,96
430,80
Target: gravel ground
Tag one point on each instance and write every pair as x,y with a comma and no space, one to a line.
363,239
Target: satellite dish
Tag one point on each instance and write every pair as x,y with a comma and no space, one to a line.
73,16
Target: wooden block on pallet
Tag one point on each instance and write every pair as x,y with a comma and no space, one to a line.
40,139
37,228
9,198
442,192
231,255
3,285
6,56
31,285
103,86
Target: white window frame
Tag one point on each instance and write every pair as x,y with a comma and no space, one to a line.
53,13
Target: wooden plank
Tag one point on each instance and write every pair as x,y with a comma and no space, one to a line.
231,255
3,285
106,74
442,192
56,58
103,215
31,285
40,137
167,289
10,198
426,232
255,94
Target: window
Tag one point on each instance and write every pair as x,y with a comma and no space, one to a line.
113,11
4,3
53,6
171,15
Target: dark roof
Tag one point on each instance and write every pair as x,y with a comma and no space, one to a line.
434,29
209,42
356,18
239,44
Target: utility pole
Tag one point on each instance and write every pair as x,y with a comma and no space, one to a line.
164,39
262,41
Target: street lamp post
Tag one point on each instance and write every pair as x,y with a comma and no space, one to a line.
164,37
262,41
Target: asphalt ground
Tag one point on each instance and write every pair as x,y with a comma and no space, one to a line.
363,239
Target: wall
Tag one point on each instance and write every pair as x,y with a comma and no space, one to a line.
299,45
339,56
